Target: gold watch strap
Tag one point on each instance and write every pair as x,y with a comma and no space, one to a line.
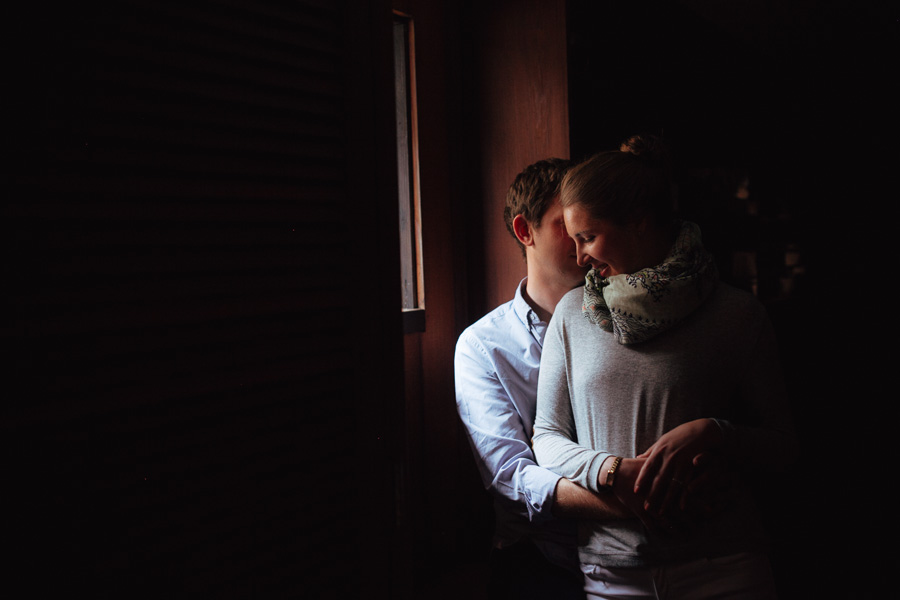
611,474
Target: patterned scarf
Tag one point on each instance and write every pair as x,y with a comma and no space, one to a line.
637,307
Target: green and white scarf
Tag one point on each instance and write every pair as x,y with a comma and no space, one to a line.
638,306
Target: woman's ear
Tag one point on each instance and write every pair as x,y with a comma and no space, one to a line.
522,229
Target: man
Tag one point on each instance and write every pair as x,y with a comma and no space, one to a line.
497,363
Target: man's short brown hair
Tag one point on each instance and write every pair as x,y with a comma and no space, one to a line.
533,191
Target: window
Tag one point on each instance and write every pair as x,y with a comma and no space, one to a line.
412,284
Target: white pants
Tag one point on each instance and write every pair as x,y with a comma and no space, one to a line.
743,576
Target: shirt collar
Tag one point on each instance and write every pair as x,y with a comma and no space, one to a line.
527,315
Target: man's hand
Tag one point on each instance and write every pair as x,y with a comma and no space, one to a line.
624,489
707,491
666,478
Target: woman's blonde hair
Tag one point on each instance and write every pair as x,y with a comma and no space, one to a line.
624,186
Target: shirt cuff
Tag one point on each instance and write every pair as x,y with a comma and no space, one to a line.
541,485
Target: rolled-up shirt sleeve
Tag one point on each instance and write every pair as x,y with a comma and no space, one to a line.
493,404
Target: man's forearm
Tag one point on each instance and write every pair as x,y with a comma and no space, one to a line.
575,502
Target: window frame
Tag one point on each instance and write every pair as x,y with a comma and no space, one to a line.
409,196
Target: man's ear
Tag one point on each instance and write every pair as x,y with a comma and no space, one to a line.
522,229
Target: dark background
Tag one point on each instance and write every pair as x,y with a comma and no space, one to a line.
202,356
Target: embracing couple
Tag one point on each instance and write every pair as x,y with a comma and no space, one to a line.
626,405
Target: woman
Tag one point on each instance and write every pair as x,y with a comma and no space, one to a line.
650,368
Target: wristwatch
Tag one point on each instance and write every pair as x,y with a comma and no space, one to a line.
611,474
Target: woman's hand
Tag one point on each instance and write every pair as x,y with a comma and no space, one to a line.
665,477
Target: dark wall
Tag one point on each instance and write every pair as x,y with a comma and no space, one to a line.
194,307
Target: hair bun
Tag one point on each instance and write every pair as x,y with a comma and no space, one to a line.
649,148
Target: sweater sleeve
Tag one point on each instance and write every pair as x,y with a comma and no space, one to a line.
555,432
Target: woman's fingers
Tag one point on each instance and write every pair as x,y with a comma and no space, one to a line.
654,467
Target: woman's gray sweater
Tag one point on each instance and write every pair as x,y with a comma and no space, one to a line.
597,397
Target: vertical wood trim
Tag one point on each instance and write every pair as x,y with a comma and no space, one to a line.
523,91
417,189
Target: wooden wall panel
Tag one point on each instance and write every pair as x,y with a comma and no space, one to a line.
522,96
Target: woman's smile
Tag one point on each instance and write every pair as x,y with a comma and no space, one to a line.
609,248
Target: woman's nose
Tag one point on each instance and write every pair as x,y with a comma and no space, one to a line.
582,259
